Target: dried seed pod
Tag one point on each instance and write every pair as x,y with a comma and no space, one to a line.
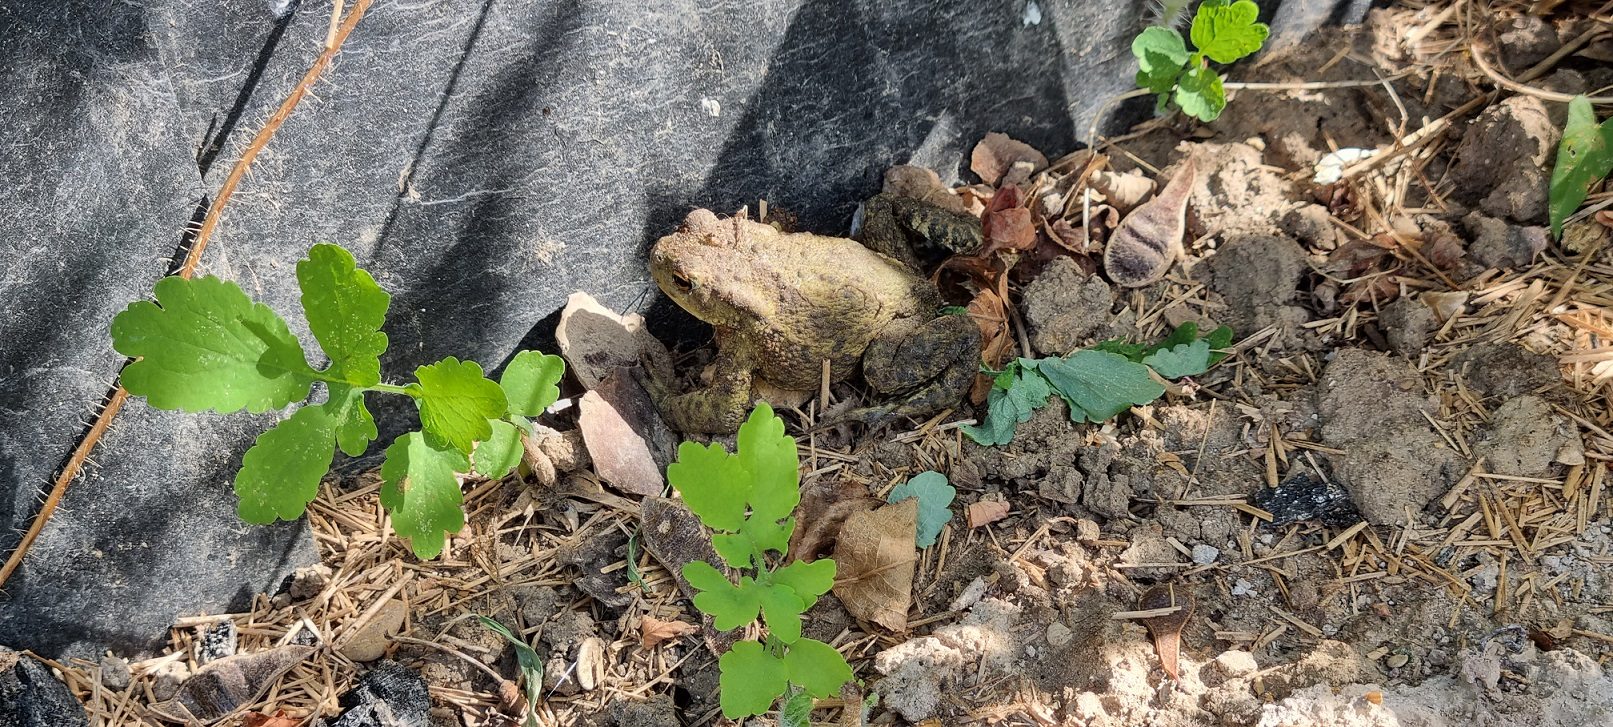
1148,241
1166,628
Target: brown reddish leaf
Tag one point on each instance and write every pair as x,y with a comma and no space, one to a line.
990,313
654,631
278,719
875,558
510,699
1377,289
986,512
1445,251
612,428
996,154
1149,240
1009,229
1167,629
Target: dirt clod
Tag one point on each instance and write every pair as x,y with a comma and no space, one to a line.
1525,437
1065,308
1499,244
1502,162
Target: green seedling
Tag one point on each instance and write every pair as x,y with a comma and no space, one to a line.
747,497
204,345
1095,383
531,668
1584,157
1223,31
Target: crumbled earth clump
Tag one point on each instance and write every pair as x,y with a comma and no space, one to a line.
1066,309
1503,163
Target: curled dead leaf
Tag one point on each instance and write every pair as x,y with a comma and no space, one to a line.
875,556
1123,191
510,699
986,512
654,631
997,154
278,719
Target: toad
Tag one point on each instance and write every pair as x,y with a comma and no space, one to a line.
784,303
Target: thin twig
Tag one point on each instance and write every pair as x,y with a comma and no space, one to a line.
115,403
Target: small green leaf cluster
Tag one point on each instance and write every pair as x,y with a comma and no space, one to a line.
747,497
1223,31
204,345
1095,383
1584,156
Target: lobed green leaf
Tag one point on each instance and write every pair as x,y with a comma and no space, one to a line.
729,606
1097,384
280,474
816,667
1187,359
782,608
531,382
420,491
752,677
808,580
1226,31
205,345
1161,53
345,310
498,455
1200,94
355,426
712,483
456,402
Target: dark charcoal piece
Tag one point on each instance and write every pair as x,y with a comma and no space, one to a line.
31,697
390,695
217,642
1305,496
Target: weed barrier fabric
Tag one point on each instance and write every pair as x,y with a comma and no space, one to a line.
483,159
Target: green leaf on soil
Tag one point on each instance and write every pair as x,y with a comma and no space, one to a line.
531,382
355,427
816,667
782,609
1097,384
797,711
730,606
712,483
345,310
420,491
1584,156
808,580
935,498
1200,94
1188,359
1160,53
530,664
1226,31
456,402
1018,392
768,457
205,345
763,475
496,456
280,474
752,677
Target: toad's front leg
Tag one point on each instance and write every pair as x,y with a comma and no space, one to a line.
721,407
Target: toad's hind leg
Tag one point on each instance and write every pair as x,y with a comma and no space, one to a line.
927,368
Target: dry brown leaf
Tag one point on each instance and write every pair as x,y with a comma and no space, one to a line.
1009,229
990,314
986,512
278,719
1167,629
620,452
654,631
922,183
875,558
996,154
1123,191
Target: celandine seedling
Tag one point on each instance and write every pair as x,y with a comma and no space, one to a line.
1223,31
204,345
747,498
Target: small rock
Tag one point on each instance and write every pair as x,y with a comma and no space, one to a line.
370,641
657,711
229,684
1236,663
1499,244
1501,162
1506,370
971,595
1241,587
1205,554
1312,226
115,673
389,695
1058,634
1395,661
591,664
596,341
1525,437
1087,532
1526,40
1065,308
167,678
309,582
31,696
1408,323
